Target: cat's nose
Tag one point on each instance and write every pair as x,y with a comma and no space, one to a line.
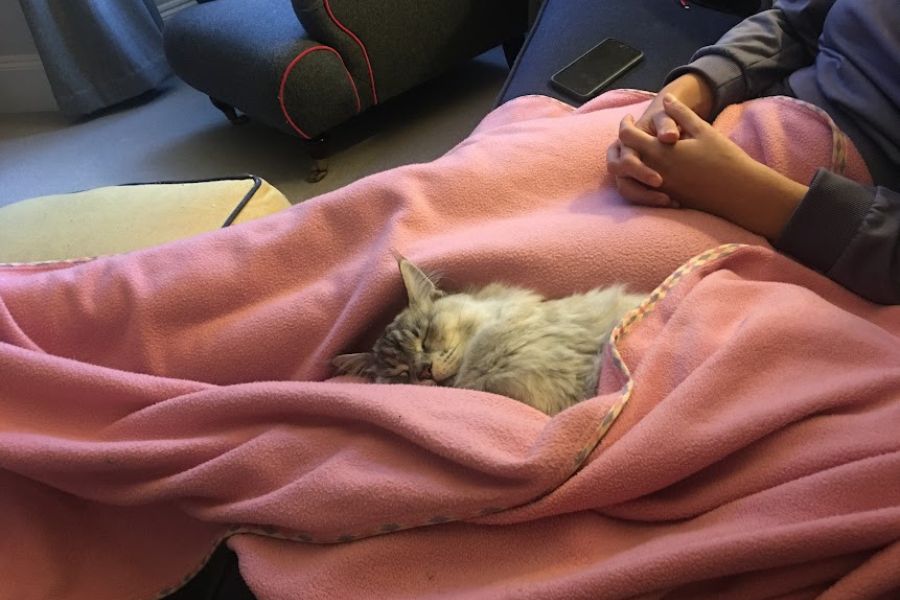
425,372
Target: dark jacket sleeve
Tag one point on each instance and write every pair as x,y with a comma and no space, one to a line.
760,51
849,232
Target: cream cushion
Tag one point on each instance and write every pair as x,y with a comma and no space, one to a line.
117,219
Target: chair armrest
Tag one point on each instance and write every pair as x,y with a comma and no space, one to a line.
389,47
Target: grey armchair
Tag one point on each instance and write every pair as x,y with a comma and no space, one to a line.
305,66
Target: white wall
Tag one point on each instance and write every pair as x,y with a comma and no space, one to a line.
23,83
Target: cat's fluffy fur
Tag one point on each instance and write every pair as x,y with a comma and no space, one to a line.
499,339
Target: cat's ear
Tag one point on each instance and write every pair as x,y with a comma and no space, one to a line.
360,364
419,288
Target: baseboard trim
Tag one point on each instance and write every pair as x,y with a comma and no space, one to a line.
23,85
20,62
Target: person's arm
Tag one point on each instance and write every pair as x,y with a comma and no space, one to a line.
755,54
759,52
849,232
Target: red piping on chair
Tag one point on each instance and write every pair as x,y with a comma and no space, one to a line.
287,72
361,47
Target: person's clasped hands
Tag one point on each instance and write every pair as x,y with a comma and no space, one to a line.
671,157
670,164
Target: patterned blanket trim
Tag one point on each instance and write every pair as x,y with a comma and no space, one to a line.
627,324
635,317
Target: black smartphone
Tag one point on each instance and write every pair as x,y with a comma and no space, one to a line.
585,76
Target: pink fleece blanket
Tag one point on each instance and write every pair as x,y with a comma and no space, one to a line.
743,441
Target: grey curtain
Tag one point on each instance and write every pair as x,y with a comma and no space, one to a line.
97,52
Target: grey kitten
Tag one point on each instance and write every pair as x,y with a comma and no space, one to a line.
499,339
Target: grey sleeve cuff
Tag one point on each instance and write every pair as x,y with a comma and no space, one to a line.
826,221
724,76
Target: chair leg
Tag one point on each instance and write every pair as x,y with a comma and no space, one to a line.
318,151
230,112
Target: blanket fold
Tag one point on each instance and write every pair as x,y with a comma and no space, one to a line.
742,441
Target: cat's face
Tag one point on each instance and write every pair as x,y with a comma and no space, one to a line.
425,343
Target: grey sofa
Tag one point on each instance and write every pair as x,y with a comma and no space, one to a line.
667,33
306,66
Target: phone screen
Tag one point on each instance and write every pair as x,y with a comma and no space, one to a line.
596,68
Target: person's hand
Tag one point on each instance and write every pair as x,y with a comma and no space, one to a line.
635,180
690,89
700,168
706,171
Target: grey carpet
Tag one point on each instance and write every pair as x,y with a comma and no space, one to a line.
176,134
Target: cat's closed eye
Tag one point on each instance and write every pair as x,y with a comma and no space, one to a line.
434,340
